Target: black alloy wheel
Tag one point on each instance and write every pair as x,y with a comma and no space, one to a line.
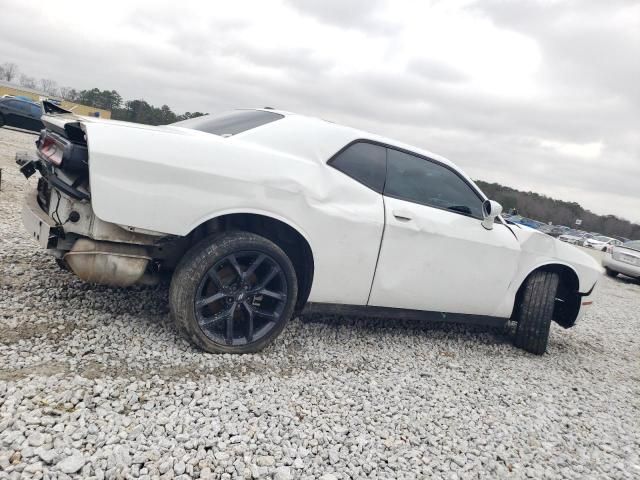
241,298
233,292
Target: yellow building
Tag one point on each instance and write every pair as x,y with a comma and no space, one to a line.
18,91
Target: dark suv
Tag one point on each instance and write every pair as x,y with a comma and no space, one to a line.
20,113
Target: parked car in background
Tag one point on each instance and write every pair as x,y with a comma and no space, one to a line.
263,214
601,243
526,221
622,239
623,259
569,238
575,237
556,230
20,113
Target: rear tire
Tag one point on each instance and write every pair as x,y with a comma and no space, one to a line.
1,120
535,312
610,273
233,292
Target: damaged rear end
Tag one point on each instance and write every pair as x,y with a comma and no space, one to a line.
59,215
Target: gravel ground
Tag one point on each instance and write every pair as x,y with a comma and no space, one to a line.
95,382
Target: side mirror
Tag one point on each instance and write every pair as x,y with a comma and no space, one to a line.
490,210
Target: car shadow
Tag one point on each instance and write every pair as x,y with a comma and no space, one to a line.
377,325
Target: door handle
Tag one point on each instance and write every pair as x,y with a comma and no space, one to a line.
402,215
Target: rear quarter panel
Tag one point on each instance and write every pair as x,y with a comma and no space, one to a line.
172,180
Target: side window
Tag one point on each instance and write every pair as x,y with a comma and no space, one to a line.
36,111
364,162
418,180
23,107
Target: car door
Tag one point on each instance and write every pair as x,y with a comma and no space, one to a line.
22,119
22,114
34,123
11,113
435,253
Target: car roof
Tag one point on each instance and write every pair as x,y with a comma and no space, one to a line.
359,134
20,99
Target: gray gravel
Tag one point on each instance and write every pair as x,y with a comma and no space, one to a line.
96,383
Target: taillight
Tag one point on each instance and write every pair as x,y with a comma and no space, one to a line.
50,150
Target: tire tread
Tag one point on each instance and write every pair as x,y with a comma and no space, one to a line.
536,311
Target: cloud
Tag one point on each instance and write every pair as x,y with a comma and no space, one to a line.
541,96
435,70
358,14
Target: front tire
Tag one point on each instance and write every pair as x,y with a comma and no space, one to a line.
610,273
535,312
233,293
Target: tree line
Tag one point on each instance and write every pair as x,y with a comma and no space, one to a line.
139,111
558,212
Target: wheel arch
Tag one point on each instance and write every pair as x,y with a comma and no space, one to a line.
289,237
568,297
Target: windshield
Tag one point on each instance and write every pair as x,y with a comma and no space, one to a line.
602,239
230,123
632,245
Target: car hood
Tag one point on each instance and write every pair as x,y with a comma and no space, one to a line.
626,251
539,249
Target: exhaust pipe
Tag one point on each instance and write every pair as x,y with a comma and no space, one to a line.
114,264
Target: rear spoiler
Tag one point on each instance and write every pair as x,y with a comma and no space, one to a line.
66,124
53,109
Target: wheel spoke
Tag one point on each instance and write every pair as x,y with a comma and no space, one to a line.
270,276
213,275
229,335
256,263
206,301
236,266
271,293
268,315
250,326
206,321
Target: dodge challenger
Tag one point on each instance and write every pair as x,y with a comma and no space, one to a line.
260,215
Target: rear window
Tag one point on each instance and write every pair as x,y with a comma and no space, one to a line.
230,123
364,162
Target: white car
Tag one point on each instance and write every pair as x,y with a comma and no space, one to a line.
570,238
601,242
575,238
263,214
624,259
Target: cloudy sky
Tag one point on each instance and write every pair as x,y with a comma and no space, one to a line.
538,95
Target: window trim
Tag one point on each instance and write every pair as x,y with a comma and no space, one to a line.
473,188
